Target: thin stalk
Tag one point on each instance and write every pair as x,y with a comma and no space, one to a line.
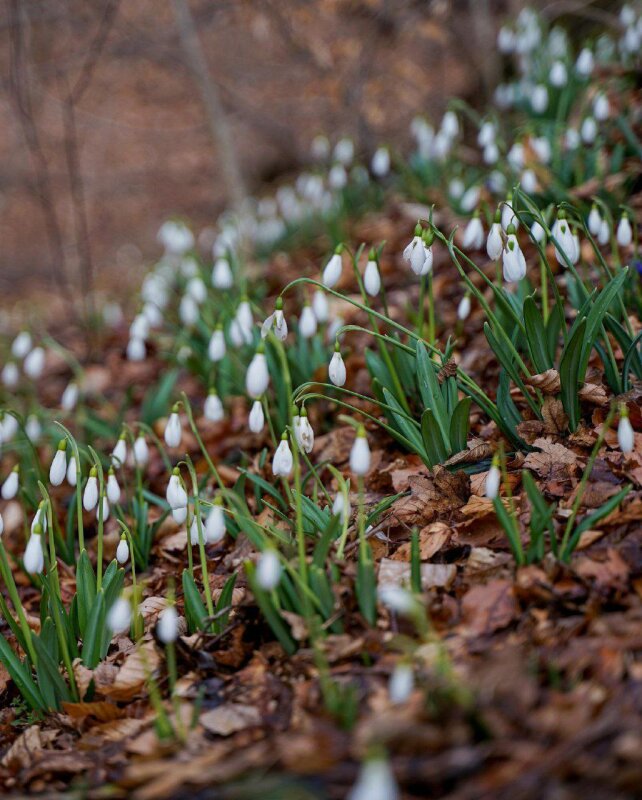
201,540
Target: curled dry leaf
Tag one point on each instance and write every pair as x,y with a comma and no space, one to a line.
130,679
230,718
547,382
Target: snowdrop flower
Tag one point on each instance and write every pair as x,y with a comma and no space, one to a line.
136,349
9,427
469,199
34,363
152,313
376,781
268,570
456,188
567,245
528,181
516,157
213,408
72,473
337,369
463,309
344,151
222,277
508,214
58,467
539,99
33,428
21,345
624,231
601,107
604,233
176,495
474,234
487,134
303,432
11,484
341,507
625,434
40,518
105,509
493,480
282,461
337,177
122,551
594,220
113,489
194,537
167,625
513,261
179,515
244,316
538,233
332,270
34,557
401,684
491,153
10,374
216,346
320,147
188,311
196,289
69,397
572,139
542,148
414,253
215,523
307,322
173,429
141,450
558,75
256,419
90,495
257,377
398,599
450,125
119,453
360,453
119,617
371,276
320,306
506,44
588,131
276,322
422,267
585,63
380,164
494,242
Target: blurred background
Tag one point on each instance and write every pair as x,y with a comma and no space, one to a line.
117,114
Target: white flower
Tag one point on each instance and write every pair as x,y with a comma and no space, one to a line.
10,374
256,419
40,518
307,323
558,75
257,377
450,125
213,408
304,433
376,781
34,363
528,181
493,479
380,164
397,599
516,157
136,349
341,507
588,131
58,467
337,369
72,475
372,278
113,489
188,311
141,450
268,570
175,237
513,261
33,428
572,139
585,62
21,345
176,495
196,289
122,551
494,243
401,684
244,317
463,309
173,430
167,626
344,150
337,177
625,434
90,495
360,454
539,99
119,453
320,147
624,231
601,107
1,525
216,346
332,271
508,215
69,397
215,525
34,558
320,305
9,427
594,220
418,255
282,461
11,484
179,515
491,153
222,277
276,322
566,244
119,616
194,538
538,233
487,134
473,234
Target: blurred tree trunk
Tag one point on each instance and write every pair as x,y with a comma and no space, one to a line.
487,58
216,118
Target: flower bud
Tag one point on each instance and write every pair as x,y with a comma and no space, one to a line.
268,570
173,430
141,450
122,551
90,495
625,434
119,616
337,369
58,467
256,419
332,271
216,347
215,524
401,683
213,408
493,480
282,461
11,484
167,626
360,453
34,558
257,377
113,489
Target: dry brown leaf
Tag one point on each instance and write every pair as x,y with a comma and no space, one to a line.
131,677
24,750
554,461
101,710
547,382
397,573
594,393
555,417
230,718
489,607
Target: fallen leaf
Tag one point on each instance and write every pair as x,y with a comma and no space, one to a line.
230,718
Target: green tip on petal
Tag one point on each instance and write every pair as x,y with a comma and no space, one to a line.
418,229
338,249
37,529
62,444
510,231
361,432
93,472
284,436
176,471
279,303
